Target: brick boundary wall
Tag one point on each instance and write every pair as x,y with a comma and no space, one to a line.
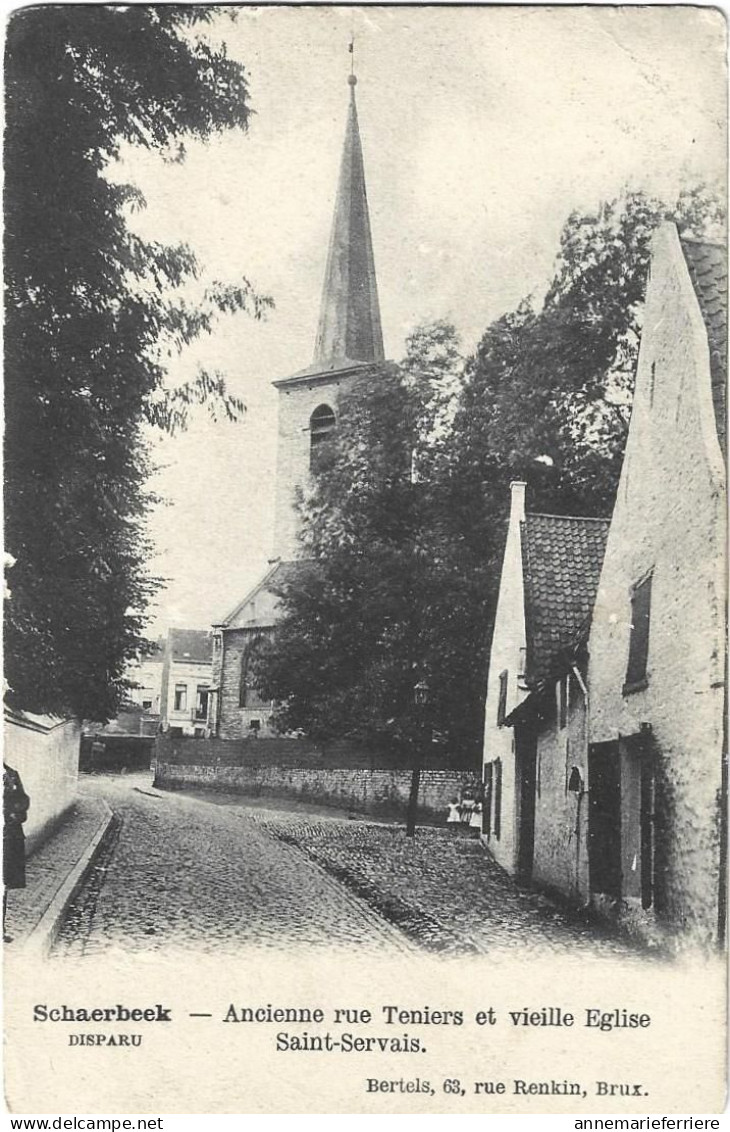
309,773
378,792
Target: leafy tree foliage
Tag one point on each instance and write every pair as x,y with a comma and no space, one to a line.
93,317
404,528
376,607
547,395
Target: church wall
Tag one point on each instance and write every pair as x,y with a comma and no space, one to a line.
234,721
296,405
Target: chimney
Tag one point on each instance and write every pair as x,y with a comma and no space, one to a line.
517,505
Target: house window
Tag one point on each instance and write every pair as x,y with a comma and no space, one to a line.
502,704
497,798
254,726
201,702
321,427
181,697
247,692
636,678
146,705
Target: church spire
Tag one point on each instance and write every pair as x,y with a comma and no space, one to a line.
349,322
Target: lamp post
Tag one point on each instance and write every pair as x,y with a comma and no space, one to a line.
420,696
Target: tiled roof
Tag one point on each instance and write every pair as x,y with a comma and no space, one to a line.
707,264
194,645
562,557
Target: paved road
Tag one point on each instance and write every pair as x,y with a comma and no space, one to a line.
182,872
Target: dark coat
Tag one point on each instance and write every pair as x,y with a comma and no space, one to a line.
15,811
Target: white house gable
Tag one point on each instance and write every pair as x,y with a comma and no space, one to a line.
657,643
504,688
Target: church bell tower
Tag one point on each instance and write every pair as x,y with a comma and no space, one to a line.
349,339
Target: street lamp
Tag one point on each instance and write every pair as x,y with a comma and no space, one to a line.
420,693
420,696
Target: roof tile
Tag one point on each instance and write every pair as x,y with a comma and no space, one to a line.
192,645
562,557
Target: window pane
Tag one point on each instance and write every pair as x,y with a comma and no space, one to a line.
639,638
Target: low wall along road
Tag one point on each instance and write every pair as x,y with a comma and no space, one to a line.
340,774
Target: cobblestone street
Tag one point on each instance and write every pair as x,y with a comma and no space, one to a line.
443,890
211,873
180,872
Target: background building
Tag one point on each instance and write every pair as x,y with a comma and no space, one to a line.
186,679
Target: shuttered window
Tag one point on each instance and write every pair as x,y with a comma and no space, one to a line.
497,798
488,790
639,636
502,703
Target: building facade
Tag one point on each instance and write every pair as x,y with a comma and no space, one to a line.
657,756
186,681
605,762
535,741
146,692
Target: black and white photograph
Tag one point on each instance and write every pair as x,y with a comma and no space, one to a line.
365,639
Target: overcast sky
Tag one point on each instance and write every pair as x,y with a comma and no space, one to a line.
482,130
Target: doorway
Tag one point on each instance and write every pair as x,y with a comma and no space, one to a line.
526,766
604,818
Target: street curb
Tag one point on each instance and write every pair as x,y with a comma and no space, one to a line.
41,939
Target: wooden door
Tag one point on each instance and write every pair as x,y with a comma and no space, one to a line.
604,818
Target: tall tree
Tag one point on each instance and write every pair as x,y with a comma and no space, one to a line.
377,606
548,392
93,314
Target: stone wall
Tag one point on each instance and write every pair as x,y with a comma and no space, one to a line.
45,752
560,861
341,775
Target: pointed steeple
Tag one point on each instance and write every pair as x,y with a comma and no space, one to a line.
349,322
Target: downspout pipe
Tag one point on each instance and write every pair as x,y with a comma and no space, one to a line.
584,689
581,684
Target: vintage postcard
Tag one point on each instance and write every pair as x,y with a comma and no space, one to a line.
365,560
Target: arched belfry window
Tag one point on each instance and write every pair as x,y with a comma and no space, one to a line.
321,427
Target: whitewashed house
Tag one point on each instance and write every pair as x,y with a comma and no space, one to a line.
186,680
657,756
535,724
605,756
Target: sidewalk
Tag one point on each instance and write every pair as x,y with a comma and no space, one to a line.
53,872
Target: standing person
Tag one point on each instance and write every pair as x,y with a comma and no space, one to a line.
15,811
467,807
454,817
475,821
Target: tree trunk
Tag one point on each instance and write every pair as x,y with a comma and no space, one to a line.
415,785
